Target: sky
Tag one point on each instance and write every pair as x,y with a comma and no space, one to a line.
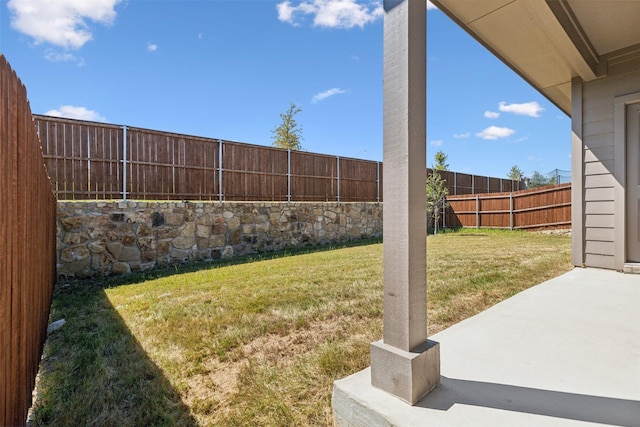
228,68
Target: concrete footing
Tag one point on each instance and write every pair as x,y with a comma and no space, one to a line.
407,375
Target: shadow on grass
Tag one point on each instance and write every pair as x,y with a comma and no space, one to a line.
94,371
139,277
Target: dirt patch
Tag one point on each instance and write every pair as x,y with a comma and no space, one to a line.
281,350
220,381
208,392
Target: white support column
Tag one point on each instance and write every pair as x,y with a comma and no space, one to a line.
405,363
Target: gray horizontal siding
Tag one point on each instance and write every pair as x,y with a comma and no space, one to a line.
599,261
599,203
600,234
596,154
599,194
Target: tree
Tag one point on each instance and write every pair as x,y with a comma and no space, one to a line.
436,202
515,173
288,134
441,162
538,180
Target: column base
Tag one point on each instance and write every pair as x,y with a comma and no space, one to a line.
408,375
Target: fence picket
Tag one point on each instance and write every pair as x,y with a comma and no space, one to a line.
150,164
548,206
27,245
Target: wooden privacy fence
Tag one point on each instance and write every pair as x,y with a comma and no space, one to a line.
89,160
27,249
542,207
462,183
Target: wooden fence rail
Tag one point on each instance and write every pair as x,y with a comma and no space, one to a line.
27,249
542,207
90,160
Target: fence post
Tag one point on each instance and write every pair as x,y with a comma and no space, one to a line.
444,213
473,184
124,163
477,211
378,182
338,172
511,211
220,195
455,183
288,176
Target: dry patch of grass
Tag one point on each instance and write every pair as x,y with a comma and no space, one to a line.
259,343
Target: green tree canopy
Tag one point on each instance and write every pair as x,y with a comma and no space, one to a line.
288,134
515,173
436,203
441,162
539,180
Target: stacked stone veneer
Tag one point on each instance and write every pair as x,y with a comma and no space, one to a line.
103,238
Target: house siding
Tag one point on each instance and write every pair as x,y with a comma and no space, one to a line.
599,204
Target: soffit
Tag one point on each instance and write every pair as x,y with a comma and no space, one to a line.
609,25
550,42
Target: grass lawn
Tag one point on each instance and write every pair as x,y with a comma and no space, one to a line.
257,342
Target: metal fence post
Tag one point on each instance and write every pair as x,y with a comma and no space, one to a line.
444,213
124,163
338,173
455,183
220,194
378,182
288,176
477,211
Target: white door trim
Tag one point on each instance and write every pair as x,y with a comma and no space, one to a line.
620,175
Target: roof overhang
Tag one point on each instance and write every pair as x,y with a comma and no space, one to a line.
551,42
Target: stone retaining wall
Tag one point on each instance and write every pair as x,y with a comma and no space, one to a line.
102,238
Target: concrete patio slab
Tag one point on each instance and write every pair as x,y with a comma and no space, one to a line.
563,353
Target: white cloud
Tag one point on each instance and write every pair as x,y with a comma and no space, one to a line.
331,13
80,113
151,47
53,56
495,132
436,143
531,109
431,6
326,94
491,114
285,12
462,135
60,22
